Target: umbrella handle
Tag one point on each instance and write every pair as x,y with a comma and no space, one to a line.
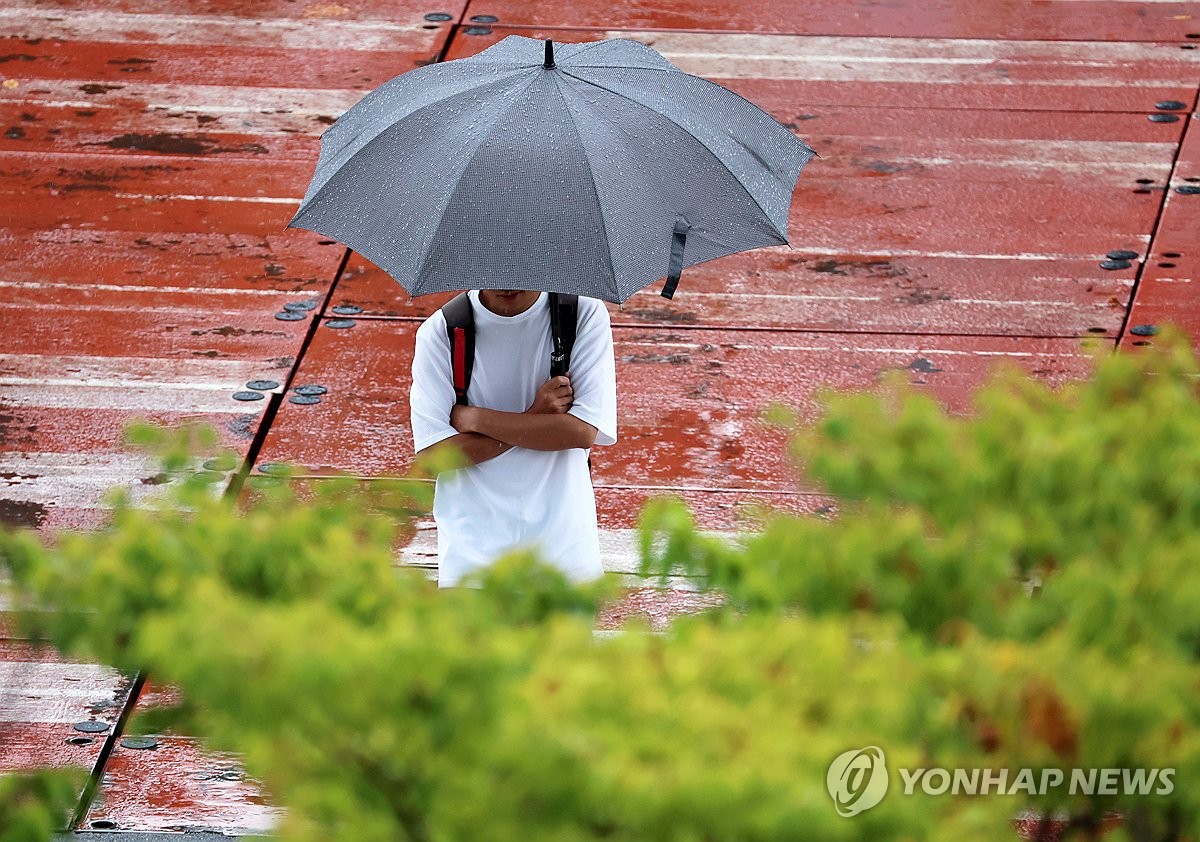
678,241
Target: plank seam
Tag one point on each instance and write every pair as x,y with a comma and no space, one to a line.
110,741
1155,229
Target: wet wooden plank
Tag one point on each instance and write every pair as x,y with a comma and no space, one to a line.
784,289
917,72
360,60
179,785
289,263
165,327
688,400
1084,20
42,695
1166,292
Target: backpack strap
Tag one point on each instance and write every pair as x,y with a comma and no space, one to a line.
460,330
564,325
564,318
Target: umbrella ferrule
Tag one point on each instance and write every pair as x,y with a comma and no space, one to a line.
549,62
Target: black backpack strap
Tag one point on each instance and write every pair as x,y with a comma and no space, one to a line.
460,330
564,318
564,325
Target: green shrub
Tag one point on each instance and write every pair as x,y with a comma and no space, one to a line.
1012,590
1043,553
35,804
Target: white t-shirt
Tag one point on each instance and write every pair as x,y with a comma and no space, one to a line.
521,498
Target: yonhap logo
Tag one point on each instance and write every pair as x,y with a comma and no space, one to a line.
857,780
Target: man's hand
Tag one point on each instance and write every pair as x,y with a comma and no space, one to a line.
554,397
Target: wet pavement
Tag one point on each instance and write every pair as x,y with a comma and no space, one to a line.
982,168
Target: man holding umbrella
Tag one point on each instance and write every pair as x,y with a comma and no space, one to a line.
588,169
526,435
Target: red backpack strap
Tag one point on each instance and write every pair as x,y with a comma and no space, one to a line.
460,331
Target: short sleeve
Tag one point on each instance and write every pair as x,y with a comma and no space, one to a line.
593,371
431,397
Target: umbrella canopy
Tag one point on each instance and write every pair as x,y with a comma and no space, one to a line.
592,168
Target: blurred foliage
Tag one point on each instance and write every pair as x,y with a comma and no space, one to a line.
1042,553
34,805
1015,589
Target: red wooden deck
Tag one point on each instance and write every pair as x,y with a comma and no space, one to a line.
978,162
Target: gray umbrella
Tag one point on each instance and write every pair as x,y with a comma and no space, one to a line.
591,168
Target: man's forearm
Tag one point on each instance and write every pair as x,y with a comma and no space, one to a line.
529,430
475,447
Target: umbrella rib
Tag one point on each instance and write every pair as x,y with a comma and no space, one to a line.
629,66
612,269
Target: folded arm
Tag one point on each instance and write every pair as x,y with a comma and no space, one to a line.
484,434
532,431
545,425
474,447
